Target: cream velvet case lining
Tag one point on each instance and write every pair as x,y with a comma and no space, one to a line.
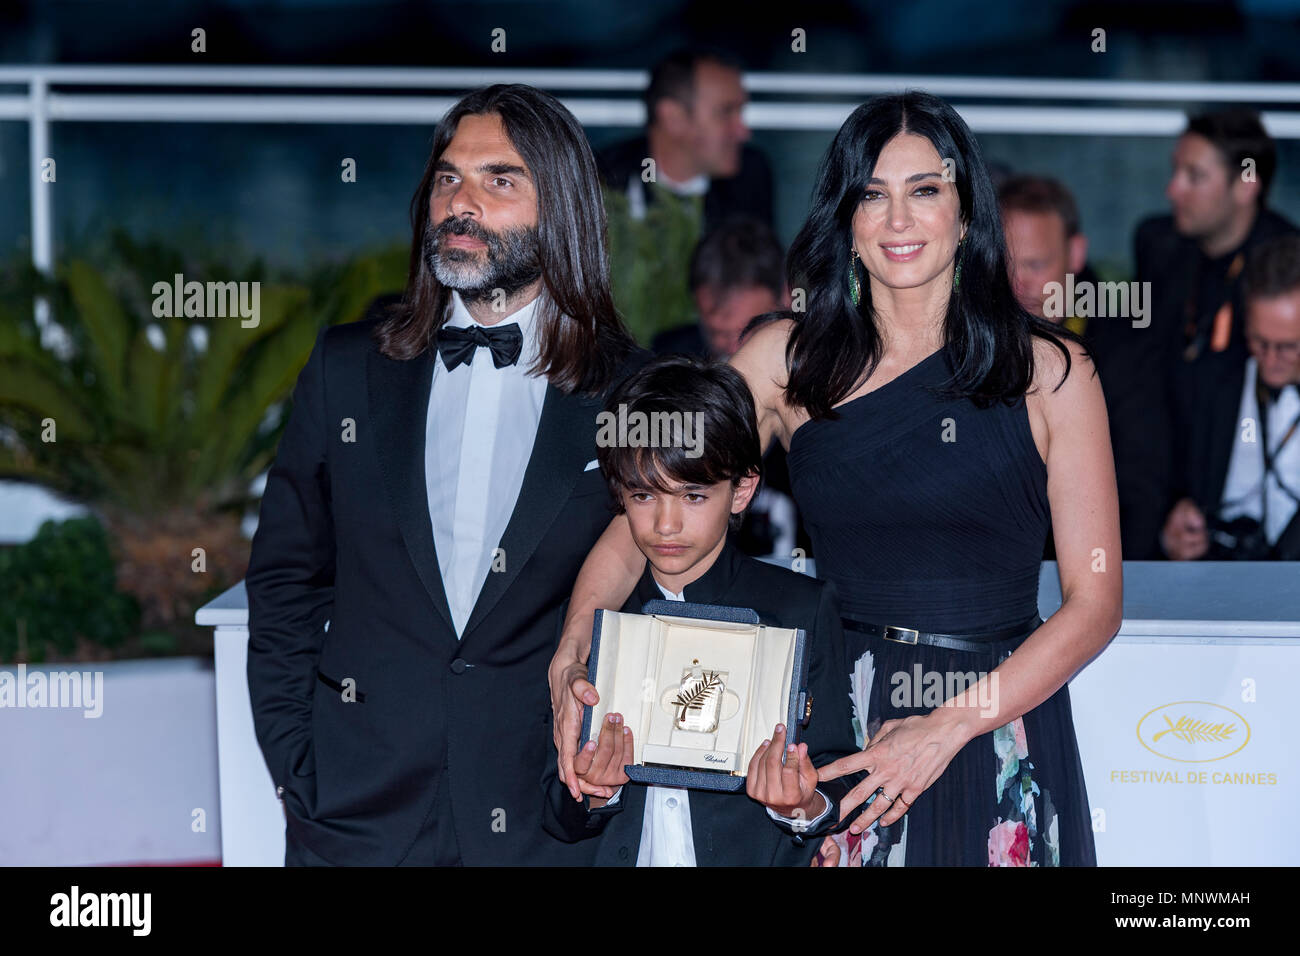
700,686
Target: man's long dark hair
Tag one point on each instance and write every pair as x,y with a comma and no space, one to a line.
988,337
582,340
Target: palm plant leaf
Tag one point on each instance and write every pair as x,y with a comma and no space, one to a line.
268,375
106,326
229,342
32,388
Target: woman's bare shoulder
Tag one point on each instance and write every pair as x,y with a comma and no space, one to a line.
761,359
1050,367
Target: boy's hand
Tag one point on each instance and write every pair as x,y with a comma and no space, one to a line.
789,790
601,762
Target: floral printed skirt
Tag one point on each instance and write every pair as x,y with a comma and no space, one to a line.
1013,797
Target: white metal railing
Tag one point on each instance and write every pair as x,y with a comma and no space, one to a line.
321,97
848,84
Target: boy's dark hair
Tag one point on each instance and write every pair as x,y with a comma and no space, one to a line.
1239,135
1272,268
728,428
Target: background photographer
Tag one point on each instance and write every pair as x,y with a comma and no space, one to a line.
1242,465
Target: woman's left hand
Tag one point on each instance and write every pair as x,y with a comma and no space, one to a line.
903,759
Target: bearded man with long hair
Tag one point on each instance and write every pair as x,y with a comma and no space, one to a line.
432,499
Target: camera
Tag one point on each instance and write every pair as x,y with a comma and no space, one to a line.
1241,539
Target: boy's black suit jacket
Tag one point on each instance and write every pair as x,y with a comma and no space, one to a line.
730,829
345,537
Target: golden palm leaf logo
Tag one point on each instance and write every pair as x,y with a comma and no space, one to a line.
1193,731
697,692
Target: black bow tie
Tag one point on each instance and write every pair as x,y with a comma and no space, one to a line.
457,345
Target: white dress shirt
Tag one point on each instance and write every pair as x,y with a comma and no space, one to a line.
479,433
1241,490
666,837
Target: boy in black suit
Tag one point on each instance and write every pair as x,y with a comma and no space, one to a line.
680,501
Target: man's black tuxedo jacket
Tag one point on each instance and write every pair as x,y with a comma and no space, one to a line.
730,829
345,537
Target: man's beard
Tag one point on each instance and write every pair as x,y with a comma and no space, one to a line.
509,263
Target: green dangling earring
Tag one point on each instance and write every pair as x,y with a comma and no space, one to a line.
855,287
956,276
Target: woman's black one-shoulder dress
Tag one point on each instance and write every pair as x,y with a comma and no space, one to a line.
932,514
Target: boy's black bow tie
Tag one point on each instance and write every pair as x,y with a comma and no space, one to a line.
457,345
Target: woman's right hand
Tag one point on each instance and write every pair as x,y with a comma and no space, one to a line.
570,689
607,577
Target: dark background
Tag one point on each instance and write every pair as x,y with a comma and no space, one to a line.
273,191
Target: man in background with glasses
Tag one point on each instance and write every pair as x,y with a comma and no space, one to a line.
1241,476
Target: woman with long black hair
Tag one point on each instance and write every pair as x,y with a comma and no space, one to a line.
935,431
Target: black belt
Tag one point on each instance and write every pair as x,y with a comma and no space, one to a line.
956,642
